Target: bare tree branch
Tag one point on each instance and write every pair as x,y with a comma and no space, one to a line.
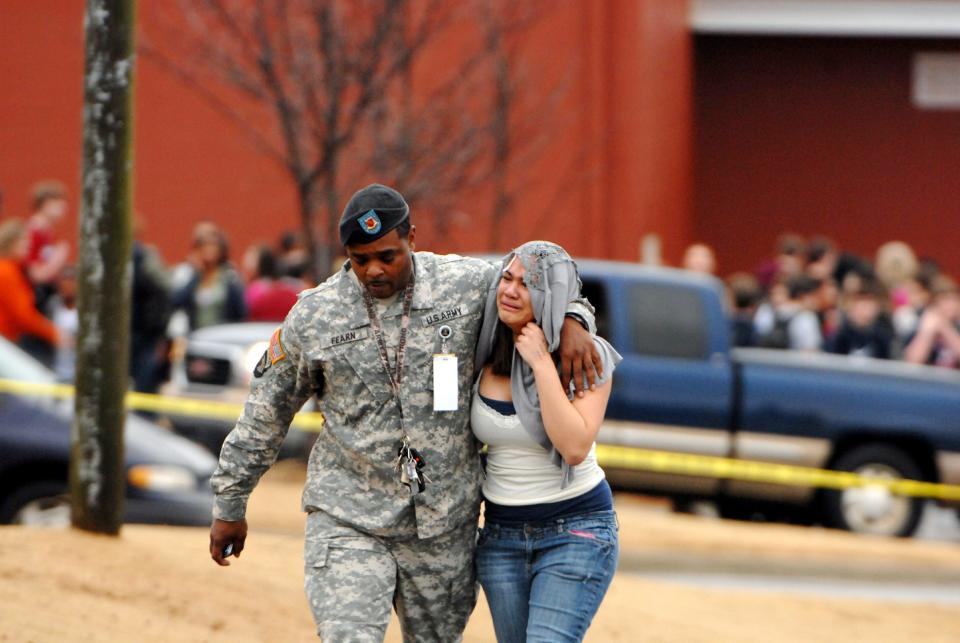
335,78
262,144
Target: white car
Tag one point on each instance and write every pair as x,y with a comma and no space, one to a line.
216,363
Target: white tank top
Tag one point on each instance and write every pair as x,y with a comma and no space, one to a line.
519,471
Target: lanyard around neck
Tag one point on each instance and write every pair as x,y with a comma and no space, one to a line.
393,376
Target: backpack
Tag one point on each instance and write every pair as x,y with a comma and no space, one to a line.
779,335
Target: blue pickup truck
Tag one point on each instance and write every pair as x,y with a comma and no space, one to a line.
682,388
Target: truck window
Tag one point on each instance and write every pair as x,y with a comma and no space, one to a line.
595,294
667,321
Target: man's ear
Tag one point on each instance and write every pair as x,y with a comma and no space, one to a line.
410,237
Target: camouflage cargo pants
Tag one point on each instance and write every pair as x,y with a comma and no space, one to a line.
352,578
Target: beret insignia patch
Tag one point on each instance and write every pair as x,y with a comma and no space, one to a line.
370,222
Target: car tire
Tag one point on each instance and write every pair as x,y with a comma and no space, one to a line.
874,510
44,503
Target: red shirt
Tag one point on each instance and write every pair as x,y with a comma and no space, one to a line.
269,300
40,240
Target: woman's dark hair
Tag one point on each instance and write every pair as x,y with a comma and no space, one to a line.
291,240
266,263
501,357
219,239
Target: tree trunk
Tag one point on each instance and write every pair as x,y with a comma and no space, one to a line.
308,224
502,106
97,479
331,195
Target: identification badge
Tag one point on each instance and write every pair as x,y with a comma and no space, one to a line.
446,382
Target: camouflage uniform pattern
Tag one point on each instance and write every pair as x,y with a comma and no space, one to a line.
328,349
350,581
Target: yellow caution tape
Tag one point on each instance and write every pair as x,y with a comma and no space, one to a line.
191,407
612,456
620,457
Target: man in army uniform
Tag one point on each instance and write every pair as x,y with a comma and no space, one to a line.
392,492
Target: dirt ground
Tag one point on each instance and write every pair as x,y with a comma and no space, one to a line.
158,583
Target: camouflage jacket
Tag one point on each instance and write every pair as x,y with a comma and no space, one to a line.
326,347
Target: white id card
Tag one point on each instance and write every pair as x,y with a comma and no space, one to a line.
445,382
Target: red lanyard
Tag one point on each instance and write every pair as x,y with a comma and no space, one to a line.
394,377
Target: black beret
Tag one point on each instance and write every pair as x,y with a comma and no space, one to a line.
371,213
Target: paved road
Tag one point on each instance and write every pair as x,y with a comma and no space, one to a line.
901,592
830,578
939,524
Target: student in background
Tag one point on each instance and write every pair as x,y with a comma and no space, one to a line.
865,329
268,296
66,319
791,321
46,254
214,293
19,318
937,340
700,257
744,295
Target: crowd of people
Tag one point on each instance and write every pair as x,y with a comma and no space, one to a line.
810,296
813,296
38,310
375,537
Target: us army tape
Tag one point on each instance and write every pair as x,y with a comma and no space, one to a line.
608,455
184,406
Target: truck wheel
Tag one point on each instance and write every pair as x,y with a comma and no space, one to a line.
40,504
738,509
873,509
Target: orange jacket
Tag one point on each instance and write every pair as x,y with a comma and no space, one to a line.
18,310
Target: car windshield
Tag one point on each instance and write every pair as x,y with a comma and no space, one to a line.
17,365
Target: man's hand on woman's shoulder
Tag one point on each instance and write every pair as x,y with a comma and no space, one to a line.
578,357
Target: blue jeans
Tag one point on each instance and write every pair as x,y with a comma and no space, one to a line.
544,581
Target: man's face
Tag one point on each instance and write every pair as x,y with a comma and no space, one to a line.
863,310
54,207
383,266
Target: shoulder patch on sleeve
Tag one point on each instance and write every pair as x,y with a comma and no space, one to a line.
274,353
276,350
263,365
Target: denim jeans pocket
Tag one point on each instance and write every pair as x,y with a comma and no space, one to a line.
601,530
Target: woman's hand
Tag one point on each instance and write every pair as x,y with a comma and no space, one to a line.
532,346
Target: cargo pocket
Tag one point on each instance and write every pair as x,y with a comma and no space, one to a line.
317,554
315,557
349,583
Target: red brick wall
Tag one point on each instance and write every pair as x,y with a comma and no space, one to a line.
615,165
819,136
